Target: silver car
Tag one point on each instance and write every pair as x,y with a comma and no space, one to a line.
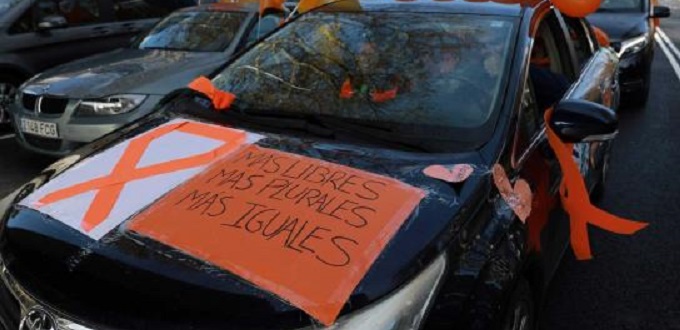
73,104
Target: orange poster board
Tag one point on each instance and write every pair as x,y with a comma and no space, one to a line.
304,229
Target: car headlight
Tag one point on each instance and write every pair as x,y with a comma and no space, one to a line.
112,105
404,309
633,45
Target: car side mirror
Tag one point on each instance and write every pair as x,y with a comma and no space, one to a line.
577,121
660,12
52,22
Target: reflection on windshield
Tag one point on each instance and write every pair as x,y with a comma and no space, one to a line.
417,74
195,31
621,5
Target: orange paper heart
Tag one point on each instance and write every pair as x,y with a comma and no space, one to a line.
518,197
457,173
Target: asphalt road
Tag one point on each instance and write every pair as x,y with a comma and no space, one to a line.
633,282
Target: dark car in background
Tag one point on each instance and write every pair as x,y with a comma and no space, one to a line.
38,34
75,103
631,25
382,88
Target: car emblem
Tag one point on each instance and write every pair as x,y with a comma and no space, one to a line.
37,319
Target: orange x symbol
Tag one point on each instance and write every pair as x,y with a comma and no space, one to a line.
110,186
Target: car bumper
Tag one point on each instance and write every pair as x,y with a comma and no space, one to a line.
73,132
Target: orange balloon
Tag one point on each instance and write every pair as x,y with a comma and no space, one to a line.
577,8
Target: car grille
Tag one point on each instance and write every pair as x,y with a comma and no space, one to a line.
28,101
43,143
48,104
53,105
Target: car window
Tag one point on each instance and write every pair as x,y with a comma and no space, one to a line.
528,123
621,5
127,10
265,25
199,31
549,65
76,12
24,24
418,74
583,44
6,5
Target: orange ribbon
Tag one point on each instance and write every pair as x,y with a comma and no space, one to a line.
346,91
380,97
576,201
109,187
221,100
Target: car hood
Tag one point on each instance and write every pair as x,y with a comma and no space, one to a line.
132,71
620,26
119,281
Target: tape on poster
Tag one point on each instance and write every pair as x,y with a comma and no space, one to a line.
303,229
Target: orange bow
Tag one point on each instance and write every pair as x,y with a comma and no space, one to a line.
576,201
221,100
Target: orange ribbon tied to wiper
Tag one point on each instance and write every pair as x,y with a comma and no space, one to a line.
576,201
221,100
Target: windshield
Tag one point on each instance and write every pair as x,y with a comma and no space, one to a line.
419,74
199,31
6,5
621,5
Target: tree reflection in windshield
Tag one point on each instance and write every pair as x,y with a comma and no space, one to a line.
199,31
424,72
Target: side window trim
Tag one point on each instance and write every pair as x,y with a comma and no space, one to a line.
571,52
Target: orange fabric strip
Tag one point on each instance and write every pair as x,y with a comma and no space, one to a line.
346,91
380,97
576,201
110,186
221,100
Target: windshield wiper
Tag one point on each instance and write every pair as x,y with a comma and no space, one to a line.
283,121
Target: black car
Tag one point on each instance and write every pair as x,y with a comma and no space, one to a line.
350,103
631,25
39,34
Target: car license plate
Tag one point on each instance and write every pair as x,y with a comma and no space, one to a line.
41,128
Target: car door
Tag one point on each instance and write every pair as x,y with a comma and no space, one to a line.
86,32
598,83
563,64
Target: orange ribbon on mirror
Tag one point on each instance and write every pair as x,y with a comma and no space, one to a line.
221,100
576,201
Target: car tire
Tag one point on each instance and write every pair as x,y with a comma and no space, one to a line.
638,98
8,88
520,312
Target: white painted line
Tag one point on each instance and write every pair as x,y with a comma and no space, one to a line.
669,43
671,58
6,136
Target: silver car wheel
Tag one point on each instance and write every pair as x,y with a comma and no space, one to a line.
8,92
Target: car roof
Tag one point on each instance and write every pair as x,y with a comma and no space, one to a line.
481,7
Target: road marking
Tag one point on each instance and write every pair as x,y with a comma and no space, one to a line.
6,136
669,42
669,55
